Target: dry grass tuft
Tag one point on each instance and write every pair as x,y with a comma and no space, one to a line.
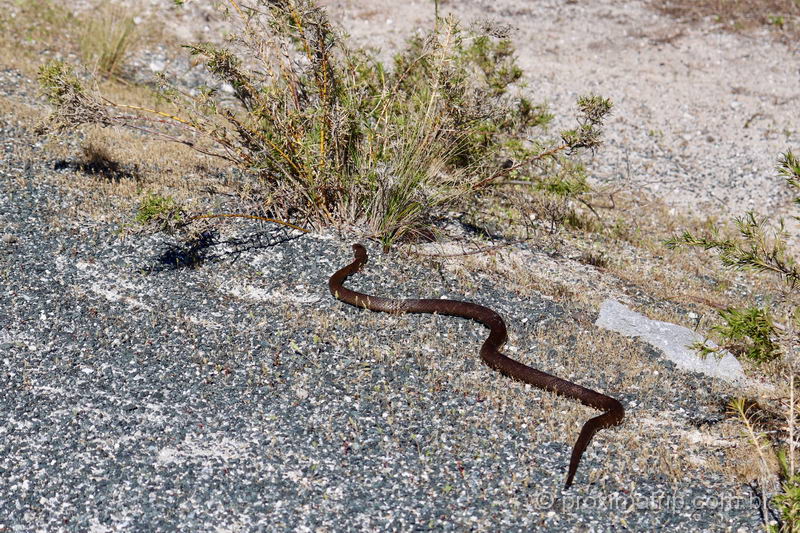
782,16
107,39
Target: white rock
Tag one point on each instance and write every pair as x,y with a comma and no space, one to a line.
672,339
300,392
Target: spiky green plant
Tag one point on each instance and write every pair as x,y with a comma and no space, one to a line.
334,136
762,247
163,210
757,247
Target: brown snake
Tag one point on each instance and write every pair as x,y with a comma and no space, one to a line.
490,351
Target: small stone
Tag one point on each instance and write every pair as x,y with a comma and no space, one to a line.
300,392
675,341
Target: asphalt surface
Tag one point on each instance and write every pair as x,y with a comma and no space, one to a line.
147,384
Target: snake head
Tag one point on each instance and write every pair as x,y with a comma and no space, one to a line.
361,255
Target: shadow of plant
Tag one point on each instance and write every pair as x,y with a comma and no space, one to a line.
97,162
208,247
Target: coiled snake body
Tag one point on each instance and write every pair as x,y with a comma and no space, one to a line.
490,351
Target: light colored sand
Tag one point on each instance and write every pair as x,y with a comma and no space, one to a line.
701,116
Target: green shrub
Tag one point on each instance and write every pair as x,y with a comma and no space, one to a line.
755,332
749,332
73,104
160,210
758,247
335,137
788,502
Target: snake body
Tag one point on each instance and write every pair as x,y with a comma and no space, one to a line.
613,412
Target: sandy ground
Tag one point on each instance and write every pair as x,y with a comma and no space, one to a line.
701,116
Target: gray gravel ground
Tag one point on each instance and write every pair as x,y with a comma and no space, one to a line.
147,385
142,391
